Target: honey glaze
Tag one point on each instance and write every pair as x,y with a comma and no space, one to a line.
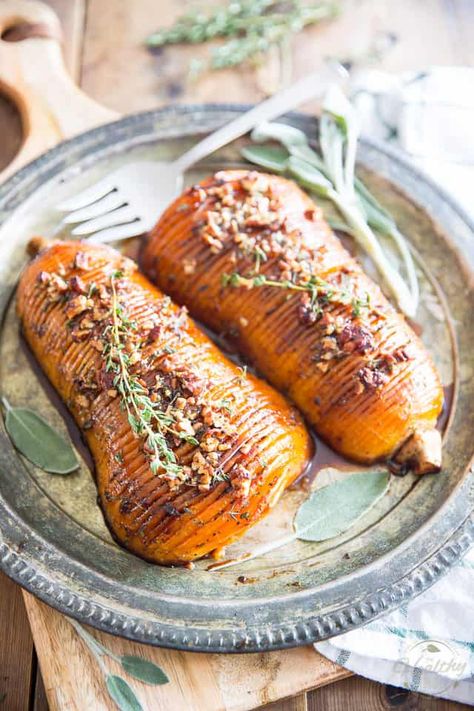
324,458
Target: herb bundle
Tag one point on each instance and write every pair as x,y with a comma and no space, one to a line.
147,420
120,690
253,26
331,174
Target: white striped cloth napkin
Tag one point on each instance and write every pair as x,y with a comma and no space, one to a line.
426,645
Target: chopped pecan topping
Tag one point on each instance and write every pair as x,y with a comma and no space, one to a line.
77,285
371,378
77,305
355,338
81,261
241,481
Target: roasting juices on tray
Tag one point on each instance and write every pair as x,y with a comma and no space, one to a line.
252,257
189,450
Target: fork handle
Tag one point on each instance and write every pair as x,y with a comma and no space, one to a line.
33,75
306,88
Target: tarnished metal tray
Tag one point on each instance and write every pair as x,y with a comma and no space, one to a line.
53,539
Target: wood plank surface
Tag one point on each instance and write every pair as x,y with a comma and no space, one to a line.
10,131
16,649
126,77
198,682
358,694
72,14
104,50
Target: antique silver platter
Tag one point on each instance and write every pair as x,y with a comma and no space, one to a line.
53,539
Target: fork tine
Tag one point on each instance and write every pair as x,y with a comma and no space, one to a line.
116,217
106,204
115,234
87,196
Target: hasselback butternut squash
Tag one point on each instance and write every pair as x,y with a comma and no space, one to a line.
253,258
189,450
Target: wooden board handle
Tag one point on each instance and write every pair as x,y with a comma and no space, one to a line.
33,75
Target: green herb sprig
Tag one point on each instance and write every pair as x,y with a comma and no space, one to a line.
321,292
331,174
146,418
254,26
120,690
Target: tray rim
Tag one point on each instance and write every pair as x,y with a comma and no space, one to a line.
100,615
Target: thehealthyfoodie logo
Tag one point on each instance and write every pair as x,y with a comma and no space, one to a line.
437,657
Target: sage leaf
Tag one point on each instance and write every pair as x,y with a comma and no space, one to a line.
306,153
340,110
39,442
379,219
143,670
309,176
331,510
327,513
289,136
339,226
332,140
122,694
270,157
373,207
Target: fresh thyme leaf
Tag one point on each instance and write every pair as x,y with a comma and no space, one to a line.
189,439
143,670
122,693
358,304
220,475
38,441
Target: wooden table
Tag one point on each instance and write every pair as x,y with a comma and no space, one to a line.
103,44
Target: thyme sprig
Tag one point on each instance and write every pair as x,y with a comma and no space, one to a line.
321,292
253,26
147,420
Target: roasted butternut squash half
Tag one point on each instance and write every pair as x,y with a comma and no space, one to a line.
252,257
189,450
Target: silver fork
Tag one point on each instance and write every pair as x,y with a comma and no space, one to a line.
128,201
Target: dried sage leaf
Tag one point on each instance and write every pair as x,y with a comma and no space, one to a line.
143,670
333,509
39,442
122,694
